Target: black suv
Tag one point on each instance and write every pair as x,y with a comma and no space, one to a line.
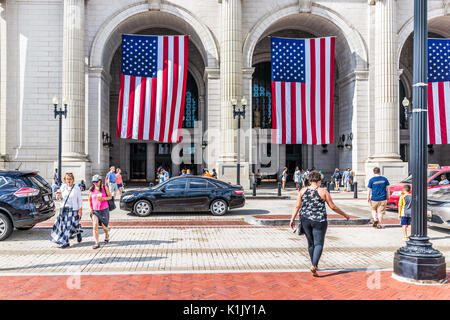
25,199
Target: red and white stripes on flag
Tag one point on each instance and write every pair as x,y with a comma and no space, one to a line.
438,91
302,100
439,112
152,87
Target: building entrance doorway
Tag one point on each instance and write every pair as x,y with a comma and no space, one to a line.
138,162
293,158
163,157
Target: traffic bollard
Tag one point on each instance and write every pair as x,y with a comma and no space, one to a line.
355,187
254,189
279,189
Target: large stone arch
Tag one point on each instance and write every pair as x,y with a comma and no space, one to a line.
351,89
135,17
352,37
438,22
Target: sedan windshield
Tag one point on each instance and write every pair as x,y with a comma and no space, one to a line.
430,173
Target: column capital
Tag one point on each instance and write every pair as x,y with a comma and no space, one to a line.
154,5
211,73
100,72
304,6
247,73
374,2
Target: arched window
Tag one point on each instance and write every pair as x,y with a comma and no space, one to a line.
262,96
191,103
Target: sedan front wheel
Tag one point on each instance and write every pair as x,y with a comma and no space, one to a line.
142,208
219,207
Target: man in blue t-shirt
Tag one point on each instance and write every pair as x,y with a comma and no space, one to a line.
378,197
111,181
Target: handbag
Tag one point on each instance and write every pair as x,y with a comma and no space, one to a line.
111,203
64,205
300,227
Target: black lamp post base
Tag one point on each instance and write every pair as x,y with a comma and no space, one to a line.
420,269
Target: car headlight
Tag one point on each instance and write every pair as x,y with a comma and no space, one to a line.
396,193
128,197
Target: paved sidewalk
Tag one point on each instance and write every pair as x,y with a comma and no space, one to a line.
190,249
372,285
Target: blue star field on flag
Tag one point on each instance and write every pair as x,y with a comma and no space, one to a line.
139,55
438,60
288,59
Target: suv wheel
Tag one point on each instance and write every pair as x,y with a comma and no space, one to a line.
6,226
218,207
142,208
25,228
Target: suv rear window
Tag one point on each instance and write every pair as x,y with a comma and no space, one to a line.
42,181
38,182
3,181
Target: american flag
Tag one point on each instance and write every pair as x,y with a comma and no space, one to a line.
302,90
152,87
438,91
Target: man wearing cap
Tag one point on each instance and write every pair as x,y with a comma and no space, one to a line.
111,181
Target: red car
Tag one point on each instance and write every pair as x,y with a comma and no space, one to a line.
433,180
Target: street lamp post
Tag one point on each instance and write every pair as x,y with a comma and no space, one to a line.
60,113
419,261
239,113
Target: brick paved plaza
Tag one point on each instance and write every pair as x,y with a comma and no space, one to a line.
199,256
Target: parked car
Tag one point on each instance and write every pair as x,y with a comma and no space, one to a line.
433,178
438,213
184,194
25,200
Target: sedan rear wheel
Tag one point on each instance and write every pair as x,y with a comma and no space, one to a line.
219,207
6,227
142,208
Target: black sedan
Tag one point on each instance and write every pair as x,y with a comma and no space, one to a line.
184,194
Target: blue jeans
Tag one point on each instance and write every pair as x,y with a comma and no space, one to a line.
315,234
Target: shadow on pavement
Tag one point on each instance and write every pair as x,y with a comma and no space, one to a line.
445,232
88,240
234,212
334,273
86,262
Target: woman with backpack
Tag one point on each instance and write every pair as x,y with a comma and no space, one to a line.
98,202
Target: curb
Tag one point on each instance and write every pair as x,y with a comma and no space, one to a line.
247,197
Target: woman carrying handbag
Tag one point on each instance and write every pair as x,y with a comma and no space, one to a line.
313,216
67,223
99,197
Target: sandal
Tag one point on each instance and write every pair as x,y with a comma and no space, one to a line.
380,227
314,271
96,246
375,224
106,240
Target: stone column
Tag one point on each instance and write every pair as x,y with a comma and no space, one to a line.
386,81
230,73
230,88
386,124
73,148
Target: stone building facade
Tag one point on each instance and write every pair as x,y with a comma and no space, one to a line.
71,48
